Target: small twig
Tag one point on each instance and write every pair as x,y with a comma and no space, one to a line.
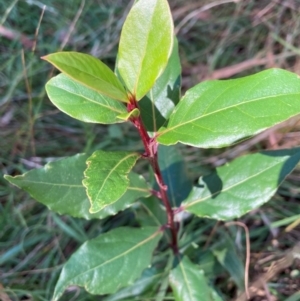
229,71
275,268
182,11
38,28
211,235
264,11
72,26
288,4
194,13
69,33
247,263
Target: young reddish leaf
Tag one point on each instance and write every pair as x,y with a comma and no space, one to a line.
188,282
109,262
242,185
90,72
106,177
219,113
145,45
58,185
82,102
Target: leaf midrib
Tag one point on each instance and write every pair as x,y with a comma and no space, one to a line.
111,85
217,111
186,280
230,187
134,188
113,170
91,100
52,184
120,255
144,53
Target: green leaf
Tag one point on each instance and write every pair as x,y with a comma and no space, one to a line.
151,212
106,177
242,185
149,278
226,254
83,103
219,113
145,45
109,262
157,106
126,116
174,174
189,283
90,72
137,188
58,185
208,263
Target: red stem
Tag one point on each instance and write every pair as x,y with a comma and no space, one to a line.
151,145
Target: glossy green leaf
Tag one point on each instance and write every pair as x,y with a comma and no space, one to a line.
160,101
90,72
106,177
145,45
109,262
137,188
83,103
188,282
149,278
174,174
219,113
151,212
58,185
242,185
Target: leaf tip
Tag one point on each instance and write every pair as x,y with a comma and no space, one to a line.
9,178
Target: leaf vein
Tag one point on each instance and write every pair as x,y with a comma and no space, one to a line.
230,187
220,110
